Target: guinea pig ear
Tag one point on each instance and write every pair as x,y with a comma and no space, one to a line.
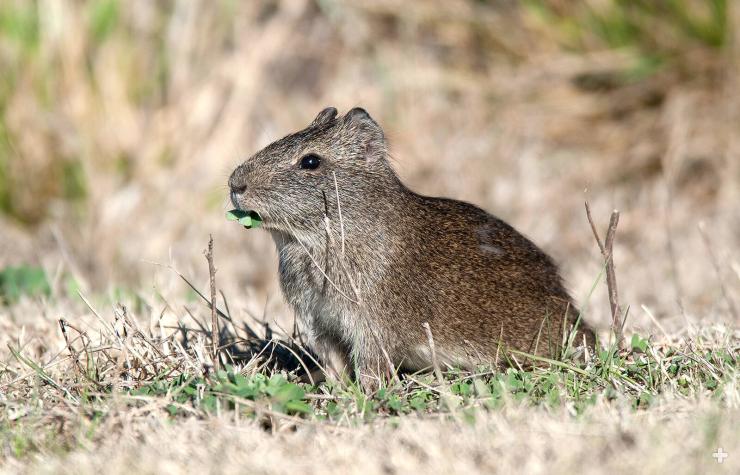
371,137
324,117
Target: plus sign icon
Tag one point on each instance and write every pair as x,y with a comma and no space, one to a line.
720,455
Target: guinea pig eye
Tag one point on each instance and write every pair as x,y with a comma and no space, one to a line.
310,161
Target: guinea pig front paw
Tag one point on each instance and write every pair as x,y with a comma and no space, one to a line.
369,381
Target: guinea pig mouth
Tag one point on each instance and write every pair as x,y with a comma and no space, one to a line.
249,219
242,205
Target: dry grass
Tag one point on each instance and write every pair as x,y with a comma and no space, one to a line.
511,441
111,394
120,122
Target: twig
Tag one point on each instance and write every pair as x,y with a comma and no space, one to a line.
607,251
72,352
215,331
248,329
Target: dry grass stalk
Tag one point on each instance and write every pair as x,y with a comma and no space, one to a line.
435,363
607,251
718,270
215,330
444,391
72,352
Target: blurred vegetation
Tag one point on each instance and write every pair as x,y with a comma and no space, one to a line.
30,61
662,33
655,27
18,281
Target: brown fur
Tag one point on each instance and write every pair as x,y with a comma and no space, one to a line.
483,288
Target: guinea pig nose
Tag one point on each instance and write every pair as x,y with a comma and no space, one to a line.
238,189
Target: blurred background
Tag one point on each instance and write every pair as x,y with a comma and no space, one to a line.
120,122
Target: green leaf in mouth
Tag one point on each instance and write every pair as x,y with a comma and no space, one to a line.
248,219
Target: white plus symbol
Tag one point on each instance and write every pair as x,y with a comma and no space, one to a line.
720,455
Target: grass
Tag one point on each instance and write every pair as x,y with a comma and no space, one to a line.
70,389
118,370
